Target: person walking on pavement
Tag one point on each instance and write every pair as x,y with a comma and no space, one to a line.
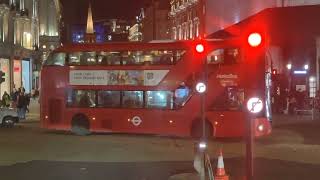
21,106
27,96
6,99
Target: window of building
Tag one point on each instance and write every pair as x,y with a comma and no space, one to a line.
109,98
185,31
196,27
174,33
159,99
132,99
81,98
191,30
312,86
179,32
57,59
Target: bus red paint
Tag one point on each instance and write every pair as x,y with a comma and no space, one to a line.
149,88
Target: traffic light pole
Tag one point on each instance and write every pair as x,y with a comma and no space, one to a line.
249,147
203,118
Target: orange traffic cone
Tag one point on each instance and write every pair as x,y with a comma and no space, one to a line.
220,171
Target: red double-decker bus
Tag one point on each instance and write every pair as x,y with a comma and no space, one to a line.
149,88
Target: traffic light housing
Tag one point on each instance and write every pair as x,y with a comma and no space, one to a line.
2,77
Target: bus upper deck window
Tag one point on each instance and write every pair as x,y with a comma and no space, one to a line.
74,58
57,59
224,56
88,58
232,56
109,58
216,57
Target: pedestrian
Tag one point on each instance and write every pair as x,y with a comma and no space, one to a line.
28,96
21,106
14,97
6,99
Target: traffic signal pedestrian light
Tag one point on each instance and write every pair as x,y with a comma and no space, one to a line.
2,77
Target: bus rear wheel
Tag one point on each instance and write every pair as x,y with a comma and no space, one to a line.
197,129
80,125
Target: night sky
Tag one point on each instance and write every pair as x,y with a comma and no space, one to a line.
75,11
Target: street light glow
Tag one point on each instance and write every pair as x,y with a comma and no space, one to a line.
306,67
300,72
312,79
289,66
202,145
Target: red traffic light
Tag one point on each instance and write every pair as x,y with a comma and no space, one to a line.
200,48
254,39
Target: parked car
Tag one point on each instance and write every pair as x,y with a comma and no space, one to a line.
8,117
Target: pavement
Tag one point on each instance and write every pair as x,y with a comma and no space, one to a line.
28,152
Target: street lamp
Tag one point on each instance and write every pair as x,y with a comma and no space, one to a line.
306,67
289,66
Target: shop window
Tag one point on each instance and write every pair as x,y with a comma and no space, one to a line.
313,87
132,99
159,99
109,98
81,98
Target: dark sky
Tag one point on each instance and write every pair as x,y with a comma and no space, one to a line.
75,11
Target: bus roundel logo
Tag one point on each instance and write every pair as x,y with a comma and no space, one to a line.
136,120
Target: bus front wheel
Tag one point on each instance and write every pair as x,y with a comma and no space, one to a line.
80,125
197,129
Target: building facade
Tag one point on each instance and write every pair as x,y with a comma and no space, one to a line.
155,24
48,23
187,21
20,31
105,30
288,54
